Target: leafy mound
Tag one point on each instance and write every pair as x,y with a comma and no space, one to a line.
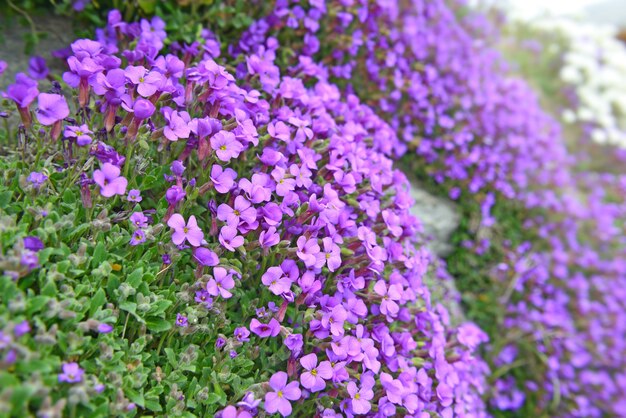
185,237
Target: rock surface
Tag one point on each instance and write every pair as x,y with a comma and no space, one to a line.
57,33
439,217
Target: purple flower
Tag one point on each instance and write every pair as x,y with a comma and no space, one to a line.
182,321
471,336
294,343
206,257
226,145
110,181
229,238
52,108
3,66
269,238
274,278
190,231
203,297
177,124
29,259
139,220
36,179
242,334
107,154
220,283
242,212
230,411
278,400
309,251
332,254
81,133
177,168
249,402
23,92
265,330
143,109
104,328
360,398
138,237
314,378
134,195
72,373
174,195
21,329
390,294
147,82
111,85
223,179
37,68
220,342
33,243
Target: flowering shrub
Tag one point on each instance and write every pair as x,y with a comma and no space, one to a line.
184,237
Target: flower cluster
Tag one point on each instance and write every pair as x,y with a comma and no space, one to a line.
483,135
243,229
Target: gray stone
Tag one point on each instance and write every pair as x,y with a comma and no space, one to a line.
58,34
439,217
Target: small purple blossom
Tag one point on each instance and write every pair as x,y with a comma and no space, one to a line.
33,243
71,373
134,195
110,180
139,220
270,329
37,68
37,179
314,377
189,231
51,108
229,238
220,283
138,237
206,257
226,145
81,133
278,399
182,321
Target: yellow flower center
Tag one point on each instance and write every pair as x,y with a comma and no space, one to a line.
141,79
223,147
357,396
279,393
185,230
314,372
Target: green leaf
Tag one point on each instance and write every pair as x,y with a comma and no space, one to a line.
69,197
36,303
158,324
99,255
153,404
171,357
134,278
147,6
96,301
5,198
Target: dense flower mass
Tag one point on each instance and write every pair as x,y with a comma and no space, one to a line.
289,279
482,134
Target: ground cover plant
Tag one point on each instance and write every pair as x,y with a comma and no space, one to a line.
185,238
198,193
542,237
